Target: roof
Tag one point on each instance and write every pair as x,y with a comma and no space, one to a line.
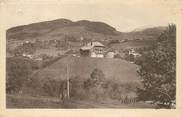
90,45
96,43
86,47
136,54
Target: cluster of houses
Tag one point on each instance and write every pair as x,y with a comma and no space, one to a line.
134,53
94,49
98,50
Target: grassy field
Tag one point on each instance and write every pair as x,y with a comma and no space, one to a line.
83,66
132,44
114,70
18,101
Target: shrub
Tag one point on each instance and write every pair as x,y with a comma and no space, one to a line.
94,84
77,90
18,72
45,87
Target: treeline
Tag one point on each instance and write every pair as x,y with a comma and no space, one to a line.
158,70
96,87
19,71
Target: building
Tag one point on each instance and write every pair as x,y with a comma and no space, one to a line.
134,53
93,49
110,55
27,55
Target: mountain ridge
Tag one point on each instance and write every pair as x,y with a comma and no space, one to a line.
92,30
47,26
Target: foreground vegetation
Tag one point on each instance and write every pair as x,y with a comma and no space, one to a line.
17,101
158,70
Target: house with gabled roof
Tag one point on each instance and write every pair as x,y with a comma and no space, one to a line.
93,49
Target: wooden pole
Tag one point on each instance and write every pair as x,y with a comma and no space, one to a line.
68,90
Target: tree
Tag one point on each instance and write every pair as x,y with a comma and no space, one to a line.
18,71
96,79
77,88
95,83
158,70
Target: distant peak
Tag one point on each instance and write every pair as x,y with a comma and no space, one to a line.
149,28
61,20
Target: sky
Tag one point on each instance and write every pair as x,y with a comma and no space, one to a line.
123,15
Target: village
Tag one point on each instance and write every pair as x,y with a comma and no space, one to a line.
92,49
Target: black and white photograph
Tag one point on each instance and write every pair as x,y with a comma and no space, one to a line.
91,55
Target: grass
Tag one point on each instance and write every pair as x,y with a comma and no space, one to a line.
17,101
132,44
115,69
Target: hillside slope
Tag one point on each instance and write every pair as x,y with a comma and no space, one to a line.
64,30
83,66
150,33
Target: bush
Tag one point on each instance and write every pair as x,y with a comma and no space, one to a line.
94,84
18,70
77,90
45,87
114,89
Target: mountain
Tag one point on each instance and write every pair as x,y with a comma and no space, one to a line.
154,31
64,29
59,27
97,27
151,33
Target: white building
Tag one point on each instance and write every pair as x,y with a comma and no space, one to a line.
93,49
110,55
134,53
27,55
